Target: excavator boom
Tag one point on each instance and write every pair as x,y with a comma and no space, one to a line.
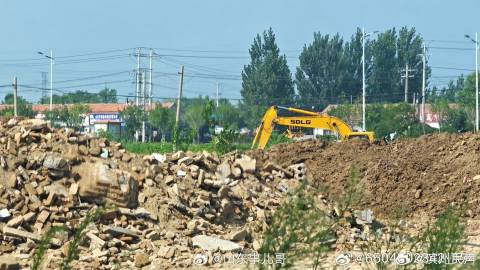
307,120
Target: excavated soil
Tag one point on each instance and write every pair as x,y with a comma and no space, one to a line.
411,176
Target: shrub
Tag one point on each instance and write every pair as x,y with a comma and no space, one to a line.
298,230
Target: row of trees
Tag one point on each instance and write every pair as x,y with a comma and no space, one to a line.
197,117
330,69
107,95
454,106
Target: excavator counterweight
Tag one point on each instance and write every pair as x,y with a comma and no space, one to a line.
306,119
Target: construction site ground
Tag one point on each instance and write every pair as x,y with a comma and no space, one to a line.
186,210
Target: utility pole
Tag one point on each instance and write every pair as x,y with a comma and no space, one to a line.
51,79
143,80
424,60
51,75
406,76
138,78
217,95
180,90
150,91
364,36
363,79
44,86
150,85
15,96
476,77
476,81
137,84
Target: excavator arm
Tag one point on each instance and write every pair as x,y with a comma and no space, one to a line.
308,120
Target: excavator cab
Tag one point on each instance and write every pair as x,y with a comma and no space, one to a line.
306,119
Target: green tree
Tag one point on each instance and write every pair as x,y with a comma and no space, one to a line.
409,49
350,113
194,117
228,115
70,116
322,72
383,82
352,85
251,115
133,117
207,113
163,119
466,98
267,79
385,119
106,95
24,108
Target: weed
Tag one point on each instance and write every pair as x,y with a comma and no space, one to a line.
385,241
298,230
43,246
73,248
225,141
446,236
278,138
353,192
79,235
176,137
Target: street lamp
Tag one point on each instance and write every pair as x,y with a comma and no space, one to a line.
51,75
364,36
476,77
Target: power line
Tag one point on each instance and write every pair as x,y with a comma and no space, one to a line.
94,53
95,77
65,62
213,51
451,48
447,41
453,68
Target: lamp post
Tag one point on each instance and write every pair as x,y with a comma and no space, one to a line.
476,77
51,75
364,36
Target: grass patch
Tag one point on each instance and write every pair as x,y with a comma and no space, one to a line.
165,147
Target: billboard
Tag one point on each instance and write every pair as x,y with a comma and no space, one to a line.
105,117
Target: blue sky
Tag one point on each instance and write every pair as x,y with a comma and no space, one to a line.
211,38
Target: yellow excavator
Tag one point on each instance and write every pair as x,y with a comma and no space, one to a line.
307,119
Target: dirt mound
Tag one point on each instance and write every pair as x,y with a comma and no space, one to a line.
422,175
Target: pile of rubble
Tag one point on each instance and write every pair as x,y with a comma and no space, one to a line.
159,210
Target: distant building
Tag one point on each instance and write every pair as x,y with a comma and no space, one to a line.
102,116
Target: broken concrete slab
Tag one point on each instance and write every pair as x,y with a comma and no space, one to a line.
239,235
364,216
15,222
100,184
24,234
57,166
141,259
246,163
4,214
9,262
212,243
119,231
